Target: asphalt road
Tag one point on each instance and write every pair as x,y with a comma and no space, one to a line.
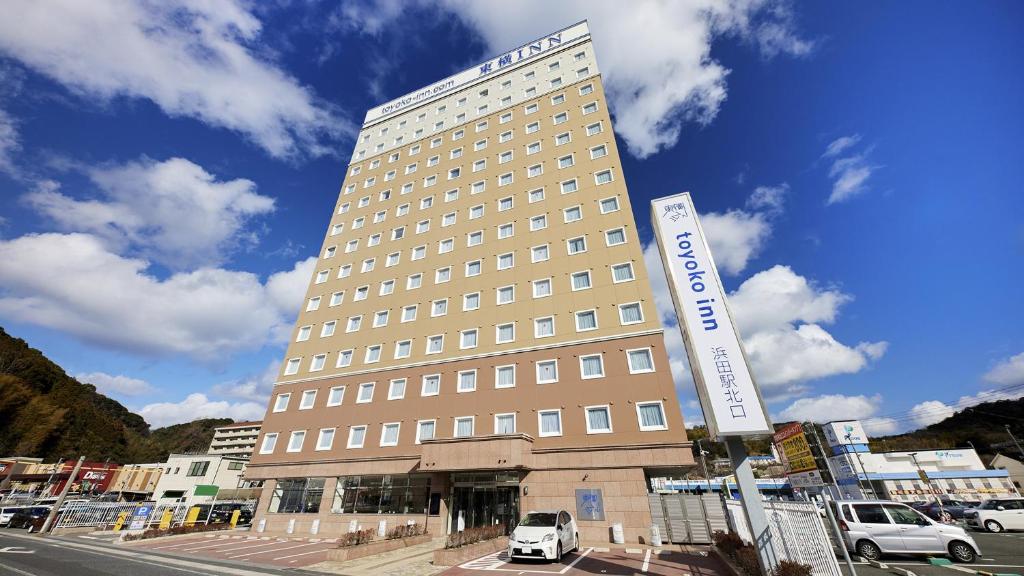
1000,553
25,555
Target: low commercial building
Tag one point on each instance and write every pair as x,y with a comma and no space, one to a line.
237,440
49,479
198,478
1014,467
910,475
135,482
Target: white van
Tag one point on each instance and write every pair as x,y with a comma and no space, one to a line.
872,528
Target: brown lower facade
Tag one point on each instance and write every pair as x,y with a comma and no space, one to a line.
581,427
601,487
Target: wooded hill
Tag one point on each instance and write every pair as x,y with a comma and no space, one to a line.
46,413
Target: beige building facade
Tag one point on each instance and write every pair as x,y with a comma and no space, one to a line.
238,439
480,338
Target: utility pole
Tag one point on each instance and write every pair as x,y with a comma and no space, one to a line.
846,450
1014,438
828,461
928,482
63,495
703,463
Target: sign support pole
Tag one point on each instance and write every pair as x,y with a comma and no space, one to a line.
753,509
63,494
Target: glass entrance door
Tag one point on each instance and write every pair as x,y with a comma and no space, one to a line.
484,499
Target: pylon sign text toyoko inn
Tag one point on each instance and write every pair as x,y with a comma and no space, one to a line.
731,401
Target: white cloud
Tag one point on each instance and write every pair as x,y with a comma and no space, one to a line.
655,56
849,172
255,388
835,406
9,143
72,283
839,145
1009,372
930,412
108,384
778,313
191,58
196,406
769,199
143,205
735,237
778,297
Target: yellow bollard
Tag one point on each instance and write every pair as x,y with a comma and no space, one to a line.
165,520
119,523
234,517
193,515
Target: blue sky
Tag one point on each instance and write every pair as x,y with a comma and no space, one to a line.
857,167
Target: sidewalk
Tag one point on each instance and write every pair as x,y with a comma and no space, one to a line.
411,561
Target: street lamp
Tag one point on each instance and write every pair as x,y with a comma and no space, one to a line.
846,448
928,482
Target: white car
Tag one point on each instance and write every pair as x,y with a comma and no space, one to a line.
6,513
548,534
997,515
872,528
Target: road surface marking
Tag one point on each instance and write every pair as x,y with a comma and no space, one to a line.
292,547
647,561
15,570
16,550
300,554
268,551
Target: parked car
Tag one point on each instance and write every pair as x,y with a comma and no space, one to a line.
950,509
547,534
221,514
872,528
6,514
997,515
31,517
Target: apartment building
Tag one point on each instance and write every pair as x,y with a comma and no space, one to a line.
479,338
238,439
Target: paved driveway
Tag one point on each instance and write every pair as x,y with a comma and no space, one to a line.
252,549
589,561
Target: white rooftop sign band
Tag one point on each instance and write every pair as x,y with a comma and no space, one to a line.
510,59
731,401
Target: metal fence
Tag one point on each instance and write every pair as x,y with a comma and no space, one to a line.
798,534
103,515
687,518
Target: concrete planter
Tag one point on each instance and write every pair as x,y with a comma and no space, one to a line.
374,548
456,556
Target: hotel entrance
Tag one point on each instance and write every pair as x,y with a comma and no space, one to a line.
484,499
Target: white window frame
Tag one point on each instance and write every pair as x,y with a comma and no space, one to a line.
584,376
498,369
341,396
497,333
537,366
320,439
462,336
371,386
540,426
472,426
383,428
264,449
536,327
639,419
639,306
398,347
572,280
576,319
311,394
458,383
650,355
301,434
430,339
505,414
607,236
419,424
535,283
586,416
277,402
351,435
632,272
423,385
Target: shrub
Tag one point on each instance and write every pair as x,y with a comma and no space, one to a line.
728,542
746,560
356,538
788,568
406,531
157,532
474,535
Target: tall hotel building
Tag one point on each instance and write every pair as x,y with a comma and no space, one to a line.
479,338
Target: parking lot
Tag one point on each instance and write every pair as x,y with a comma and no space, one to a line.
591,561
1000,554
250,549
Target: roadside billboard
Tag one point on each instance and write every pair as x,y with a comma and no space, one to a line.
849,432
730,399
796,451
